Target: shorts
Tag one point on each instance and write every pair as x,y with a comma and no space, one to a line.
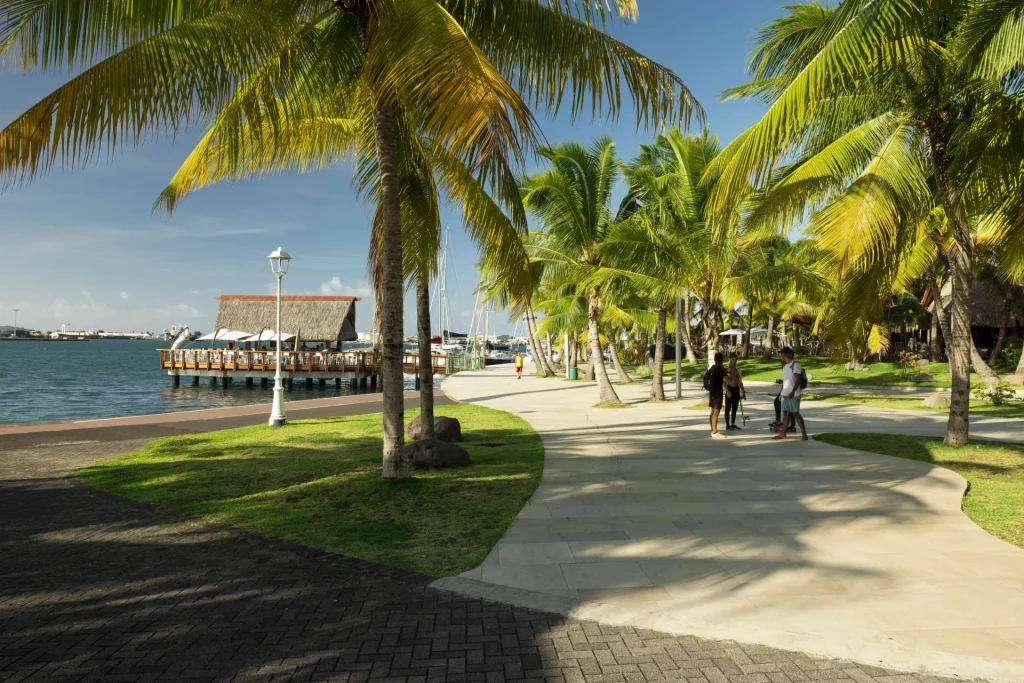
715,401
791,405
519,369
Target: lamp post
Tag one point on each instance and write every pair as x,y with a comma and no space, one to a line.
279,261
15,334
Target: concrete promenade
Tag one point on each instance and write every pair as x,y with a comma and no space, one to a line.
641,519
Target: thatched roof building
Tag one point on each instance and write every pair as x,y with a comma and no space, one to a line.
312,318
987,304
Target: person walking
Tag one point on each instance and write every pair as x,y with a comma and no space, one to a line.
714,384
734,384
519,365
793,381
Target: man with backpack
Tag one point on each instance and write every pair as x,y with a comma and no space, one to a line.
794,380
714,384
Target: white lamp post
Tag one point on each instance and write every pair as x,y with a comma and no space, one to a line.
279,261
15,322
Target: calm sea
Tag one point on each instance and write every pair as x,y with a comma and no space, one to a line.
45,381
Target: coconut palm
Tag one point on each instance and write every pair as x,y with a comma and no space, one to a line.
887,104
466,69
572,201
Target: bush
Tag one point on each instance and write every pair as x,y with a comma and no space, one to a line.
997,395
1010,355
643,372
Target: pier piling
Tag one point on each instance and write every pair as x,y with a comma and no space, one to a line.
291,383
323,382
362,382
177,380
248,381
213,381
195,381
337,384
263,381
309,382
354,383
417,383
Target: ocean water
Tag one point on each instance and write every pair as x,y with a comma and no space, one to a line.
46,381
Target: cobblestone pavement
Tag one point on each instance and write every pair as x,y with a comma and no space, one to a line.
97,588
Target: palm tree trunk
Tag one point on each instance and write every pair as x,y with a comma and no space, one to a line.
396,465
658,378
691,357
771,334
1018,374
1004,324
980,366
426,365
539,361
604,385
935,337
750,325
613,351
960,256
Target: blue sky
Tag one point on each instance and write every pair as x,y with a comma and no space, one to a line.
83,248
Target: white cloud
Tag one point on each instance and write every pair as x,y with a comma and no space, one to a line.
86,293
194,291
176,313
335,287
124,295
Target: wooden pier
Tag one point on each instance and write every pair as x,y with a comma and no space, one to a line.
354,366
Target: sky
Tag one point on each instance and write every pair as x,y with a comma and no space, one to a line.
83,248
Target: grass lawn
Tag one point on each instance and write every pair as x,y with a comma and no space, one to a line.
909,403
995,471
823,371
317,483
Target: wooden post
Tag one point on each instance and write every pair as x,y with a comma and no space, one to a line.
337,384
177,380
291,383
362,381
195,380
213,381
354,383
263,381
248,381
309,382
323,382
373,381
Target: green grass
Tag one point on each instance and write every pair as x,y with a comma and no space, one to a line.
911,403
823,371
994,470
318,483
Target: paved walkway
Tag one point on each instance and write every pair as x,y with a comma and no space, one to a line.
642,519
97,588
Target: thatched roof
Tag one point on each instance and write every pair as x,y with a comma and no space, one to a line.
313,318
986,303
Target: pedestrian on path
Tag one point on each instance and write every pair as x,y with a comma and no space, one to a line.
714,384
734,384
793,382
519,365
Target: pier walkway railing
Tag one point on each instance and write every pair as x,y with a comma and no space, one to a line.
356,362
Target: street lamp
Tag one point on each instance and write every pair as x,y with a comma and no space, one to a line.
15,322
279,261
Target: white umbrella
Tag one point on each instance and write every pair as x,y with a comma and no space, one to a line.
268,336
734,332
224,334
182,338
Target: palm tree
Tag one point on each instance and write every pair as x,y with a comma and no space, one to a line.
887,104
467,70
572,202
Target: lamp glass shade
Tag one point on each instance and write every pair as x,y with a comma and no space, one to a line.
279,261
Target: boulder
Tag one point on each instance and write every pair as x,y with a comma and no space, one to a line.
1014,379
445,429
856,366
936,400
923,377
435,454
924,362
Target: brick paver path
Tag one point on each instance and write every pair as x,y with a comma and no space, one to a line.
97,588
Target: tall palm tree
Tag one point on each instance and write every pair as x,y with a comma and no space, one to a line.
572,201
466,69
888,104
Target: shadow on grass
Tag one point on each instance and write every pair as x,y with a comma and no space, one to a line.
318,483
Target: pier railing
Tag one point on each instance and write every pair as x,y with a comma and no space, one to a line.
359,362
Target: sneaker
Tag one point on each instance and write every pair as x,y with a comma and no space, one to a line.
737,427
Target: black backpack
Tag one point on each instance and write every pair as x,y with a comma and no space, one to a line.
709,378
803,378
